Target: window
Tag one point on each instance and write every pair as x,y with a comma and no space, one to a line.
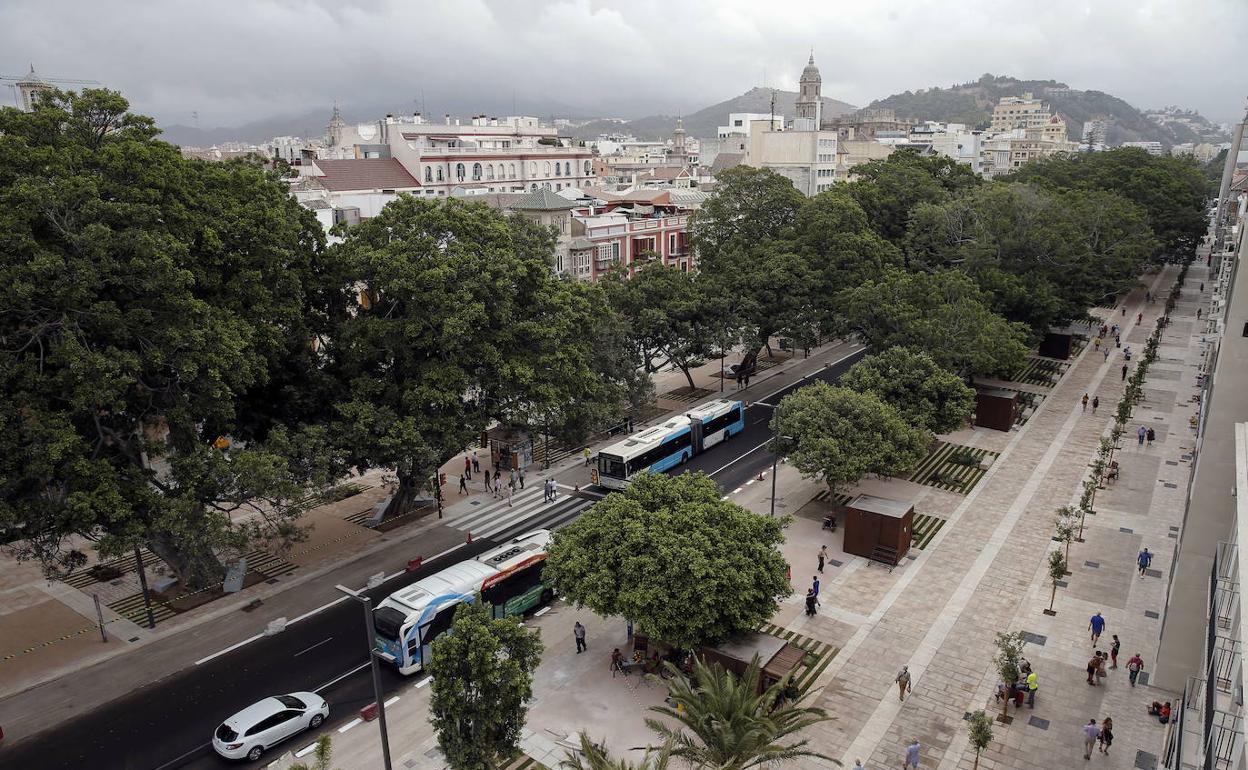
439,173
489,172
567,168
558,171
672,248
476,172
428,174
533,168
511,170
587,168
547,168
459,171
736,122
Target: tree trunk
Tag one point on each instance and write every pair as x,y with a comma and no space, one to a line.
976,767
402,498
685,369
1053,596
195,568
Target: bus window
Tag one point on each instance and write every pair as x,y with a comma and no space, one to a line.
438,626
611,466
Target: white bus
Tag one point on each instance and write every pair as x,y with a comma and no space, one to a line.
509,578
660,447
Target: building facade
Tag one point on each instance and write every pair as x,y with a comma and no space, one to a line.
1018,112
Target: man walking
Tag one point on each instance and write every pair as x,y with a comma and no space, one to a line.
903,682
1152,434
1135,664
521,478
823,555
1090,733
476,464
1085,402
1097,625
815,586
1096,401
468,466
588,454
546,491
578,631
463,485
811,601
912,756
1033,684
1114,647
1144,559
1141,433
1124,372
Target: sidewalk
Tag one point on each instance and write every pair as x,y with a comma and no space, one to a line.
48,631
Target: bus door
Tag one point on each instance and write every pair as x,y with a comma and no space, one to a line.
696,434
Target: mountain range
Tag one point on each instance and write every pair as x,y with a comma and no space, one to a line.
972,103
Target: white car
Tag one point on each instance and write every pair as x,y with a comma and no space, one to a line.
247,734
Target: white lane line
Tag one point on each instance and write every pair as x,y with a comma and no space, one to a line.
349,725
231,648
391,702
424,682
738,489
751,481
322,608
541,612
306,750
178,760
339,678
829,365
313,647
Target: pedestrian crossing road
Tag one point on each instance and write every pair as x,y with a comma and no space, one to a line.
527,512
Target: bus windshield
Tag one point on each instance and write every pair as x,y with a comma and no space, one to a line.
388,621
611,466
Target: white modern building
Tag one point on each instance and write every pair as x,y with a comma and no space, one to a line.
1152,148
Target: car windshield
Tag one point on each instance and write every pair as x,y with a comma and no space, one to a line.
226,733
291,702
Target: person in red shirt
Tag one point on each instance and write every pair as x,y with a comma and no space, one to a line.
1135,664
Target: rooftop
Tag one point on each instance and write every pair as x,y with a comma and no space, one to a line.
365,174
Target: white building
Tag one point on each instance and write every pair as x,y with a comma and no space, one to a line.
953,140
1152,148
739,123
1018,112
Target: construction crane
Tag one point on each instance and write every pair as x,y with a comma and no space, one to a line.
26,87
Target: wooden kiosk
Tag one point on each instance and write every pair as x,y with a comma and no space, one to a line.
1057,344
878,528
995,408
776,656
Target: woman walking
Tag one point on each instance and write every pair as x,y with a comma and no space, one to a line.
1106,736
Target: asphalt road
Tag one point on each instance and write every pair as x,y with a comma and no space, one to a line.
169,723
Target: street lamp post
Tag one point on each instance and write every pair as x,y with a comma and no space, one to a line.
775,462
371,630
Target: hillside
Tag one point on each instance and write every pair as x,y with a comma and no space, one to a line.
705,122
972,103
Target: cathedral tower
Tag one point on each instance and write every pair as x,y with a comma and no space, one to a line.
809,102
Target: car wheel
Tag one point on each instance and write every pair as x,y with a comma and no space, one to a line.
317,719
255,753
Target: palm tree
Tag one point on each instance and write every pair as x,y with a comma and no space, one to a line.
594,757
724,723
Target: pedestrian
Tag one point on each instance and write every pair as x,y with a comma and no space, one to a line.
1139,318
912,756
1141,433
1114,647
1144,559
1094,663
510,491
521,477
1114,330
498,485
463,485
1101,673
1085,402
487,479
476,464
1152,434
1135,664
1097,625
1124,311
858,765
739,378
1127,354
1117,341
823,555
903,682
587,456
1148,296
1096,343
1107,735
815,585
1124,372
546,491
1202,285
747,379
1096,401
1033,684
811,600
1106,352
1090,735
1198,313
578,631
468,467
554,490
511,480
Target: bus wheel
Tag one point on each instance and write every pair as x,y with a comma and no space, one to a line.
684,458
548,596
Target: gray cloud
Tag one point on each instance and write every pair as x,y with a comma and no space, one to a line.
238,61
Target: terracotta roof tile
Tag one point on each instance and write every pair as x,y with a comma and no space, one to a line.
365,174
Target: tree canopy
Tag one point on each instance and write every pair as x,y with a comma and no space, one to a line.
924,394
840,435
668,317
482,673
668,553
889,189
149,305
945,315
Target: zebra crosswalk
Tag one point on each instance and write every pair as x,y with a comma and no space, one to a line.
527,512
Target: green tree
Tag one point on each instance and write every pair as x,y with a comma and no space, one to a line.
482,673
687,566
750,206
322,756
944,315
723,722
834,233
460,324
594,756
889,189
148,305
1173,190
1057,571
924,394
667,316
979,731
1009,654
840,435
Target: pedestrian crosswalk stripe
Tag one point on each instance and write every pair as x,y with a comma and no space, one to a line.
527,508
554,519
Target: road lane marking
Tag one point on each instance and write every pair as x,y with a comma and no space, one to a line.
542,611
231,648
338,679
349,725
306,750
391,702
322,608
424,682
313,647
178,760
815,373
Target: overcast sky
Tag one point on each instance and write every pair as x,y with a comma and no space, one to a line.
235,62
